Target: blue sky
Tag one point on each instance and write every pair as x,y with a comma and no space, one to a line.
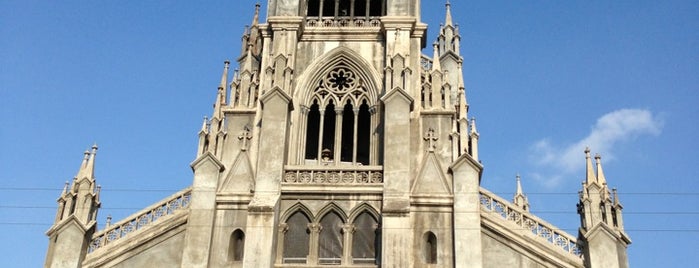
544,79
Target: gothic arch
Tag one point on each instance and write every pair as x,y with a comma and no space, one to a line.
363,207
368,77
293,209
330,208
339,97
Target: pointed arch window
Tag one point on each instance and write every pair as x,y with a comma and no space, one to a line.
365,242
430,248
339,120
296,238
236,246
330,239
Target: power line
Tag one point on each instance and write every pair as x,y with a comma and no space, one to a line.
498,193
533,211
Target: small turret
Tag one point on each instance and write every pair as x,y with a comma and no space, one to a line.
520,199
474,139
76,216
602,231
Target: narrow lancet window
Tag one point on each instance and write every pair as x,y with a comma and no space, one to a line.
236,246
330,239
347,133
365,242
430,248
296,240
312,127
363,134
329,129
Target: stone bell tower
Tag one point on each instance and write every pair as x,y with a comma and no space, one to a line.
336,141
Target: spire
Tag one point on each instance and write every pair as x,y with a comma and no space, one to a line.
616,197
224,76
204,126
519,186
448,21
473,126
520,199
590,175
87,167
256,17
436,66
600,174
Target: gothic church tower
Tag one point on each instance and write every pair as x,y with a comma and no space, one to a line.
335,142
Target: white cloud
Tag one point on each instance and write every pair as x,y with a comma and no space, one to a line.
610,129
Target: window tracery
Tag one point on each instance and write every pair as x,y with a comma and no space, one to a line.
338,122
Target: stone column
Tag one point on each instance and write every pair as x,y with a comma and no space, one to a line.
197,240
260,250
396,199
466,173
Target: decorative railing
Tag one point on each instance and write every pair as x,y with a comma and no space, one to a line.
343,22
142,219
426,63
333,175
493,204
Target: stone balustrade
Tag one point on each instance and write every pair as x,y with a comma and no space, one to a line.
343,22
367,175
141,219
493,204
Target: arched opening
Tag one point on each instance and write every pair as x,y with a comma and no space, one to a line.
330,239
363,133
312,127
296,239
338,123
329,129
236,246
365,239
430,250
347,133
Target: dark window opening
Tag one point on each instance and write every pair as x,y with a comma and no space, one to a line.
359,8
330,239
296,240
328,8
313,8
347,133
363,134
344,8
329,128
430,248
236,246
312,128
376,8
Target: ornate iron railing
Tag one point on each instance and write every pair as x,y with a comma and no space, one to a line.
141,219
549,233
343,22
333,175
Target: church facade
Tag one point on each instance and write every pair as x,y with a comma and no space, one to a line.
337,143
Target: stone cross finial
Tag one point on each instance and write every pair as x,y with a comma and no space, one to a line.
245,137
431,140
